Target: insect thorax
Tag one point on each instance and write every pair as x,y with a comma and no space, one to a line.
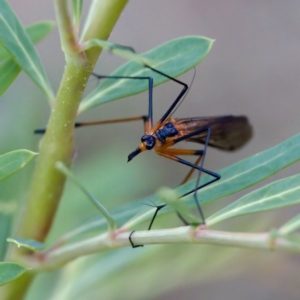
168,130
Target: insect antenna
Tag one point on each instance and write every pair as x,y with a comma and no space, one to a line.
190,85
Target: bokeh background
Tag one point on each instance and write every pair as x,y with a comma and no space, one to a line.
253,69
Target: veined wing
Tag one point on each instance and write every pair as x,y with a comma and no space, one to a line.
227,132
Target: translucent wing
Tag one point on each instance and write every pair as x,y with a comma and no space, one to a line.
227,132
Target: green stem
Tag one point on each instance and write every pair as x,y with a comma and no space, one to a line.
59,256
98,18
56,145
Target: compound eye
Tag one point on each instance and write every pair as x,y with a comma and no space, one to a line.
144,138
149,141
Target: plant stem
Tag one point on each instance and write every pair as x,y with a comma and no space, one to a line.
99,18
58,256
56,145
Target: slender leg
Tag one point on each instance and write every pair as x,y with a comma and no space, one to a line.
148,120
158,208
144,118
199,168
150,113
171,152
178,98
103,122
198,187
190,173
150,91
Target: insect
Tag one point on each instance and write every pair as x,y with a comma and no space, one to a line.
222,132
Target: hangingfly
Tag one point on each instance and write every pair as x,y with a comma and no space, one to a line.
223,132
227,133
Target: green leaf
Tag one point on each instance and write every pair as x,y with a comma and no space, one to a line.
9,272
110,221
14,38
77,8
7,211
290,226
39,31
173,58
9,71
29,244
247,172
36,33
281,193
14,161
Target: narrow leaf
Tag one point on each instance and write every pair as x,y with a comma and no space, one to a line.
17,43
77,8
110,220
290,226
173,58
39,31
247,172
14,161
281,193
29,244
9,272
9,71
36,33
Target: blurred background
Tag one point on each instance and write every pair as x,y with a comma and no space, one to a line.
253,69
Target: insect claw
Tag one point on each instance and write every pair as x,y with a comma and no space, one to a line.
131,242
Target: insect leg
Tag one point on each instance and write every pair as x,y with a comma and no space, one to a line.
178,98
190,173
148,120
81,124
200,169
149,123
171,152
158,208
202,153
